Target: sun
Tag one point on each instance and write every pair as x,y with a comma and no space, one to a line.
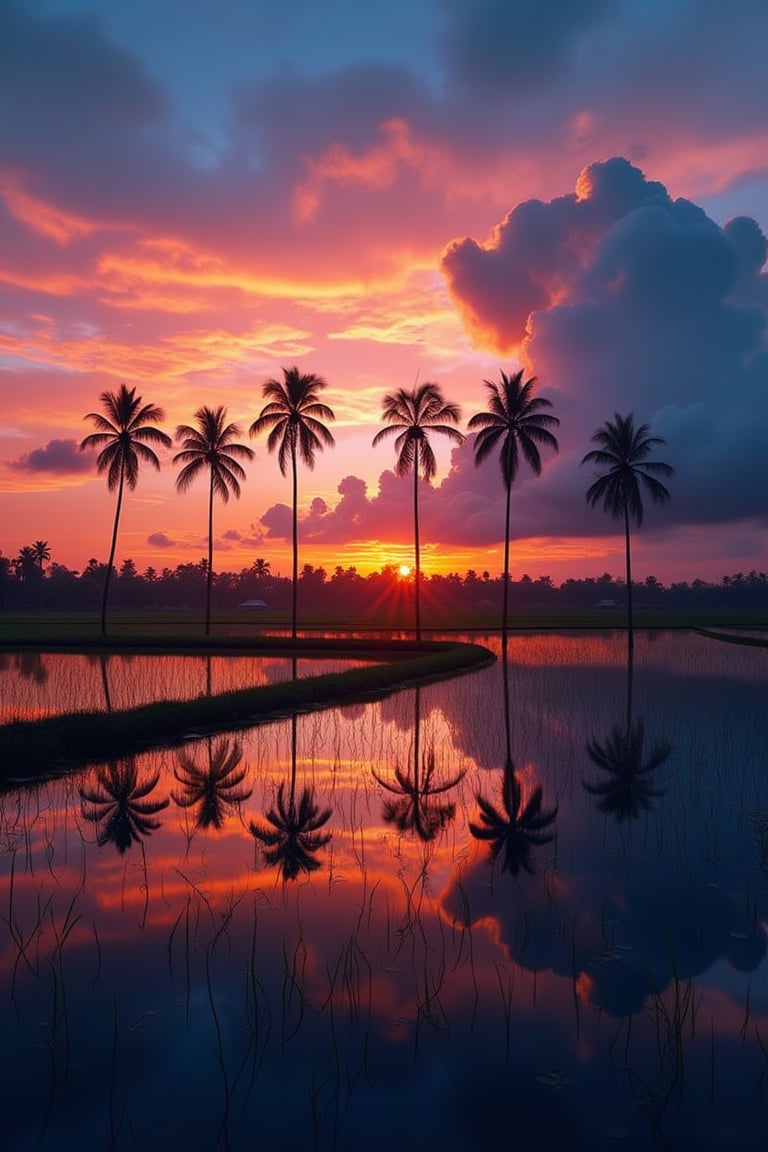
404,570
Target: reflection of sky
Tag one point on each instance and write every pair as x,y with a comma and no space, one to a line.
405,993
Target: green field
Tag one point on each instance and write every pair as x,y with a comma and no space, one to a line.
78,629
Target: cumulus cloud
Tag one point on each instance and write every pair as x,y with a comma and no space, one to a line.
58,456
622,299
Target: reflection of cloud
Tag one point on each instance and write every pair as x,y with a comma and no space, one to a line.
59,456
661,925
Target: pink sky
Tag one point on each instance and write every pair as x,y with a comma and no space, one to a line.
191,200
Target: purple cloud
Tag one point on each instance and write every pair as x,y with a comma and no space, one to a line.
58,456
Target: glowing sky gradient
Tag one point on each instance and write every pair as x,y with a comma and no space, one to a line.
193,196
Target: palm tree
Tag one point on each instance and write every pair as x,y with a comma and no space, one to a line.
293,416
261,568
124,434
210,445
416,808
623,451
26,564
216,787
293,838
515,829
514,422
411,416
629,787
42,552
118,803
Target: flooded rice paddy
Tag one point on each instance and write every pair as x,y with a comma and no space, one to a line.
522,908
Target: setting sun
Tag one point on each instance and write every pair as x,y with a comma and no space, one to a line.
404,570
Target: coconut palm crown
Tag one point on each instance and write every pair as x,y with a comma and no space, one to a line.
622,453
293,416
125,431
516,424
410,416
210,444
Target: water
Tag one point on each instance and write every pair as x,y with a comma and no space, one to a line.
165,986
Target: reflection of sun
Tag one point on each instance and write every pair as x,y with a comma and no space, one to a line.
404,570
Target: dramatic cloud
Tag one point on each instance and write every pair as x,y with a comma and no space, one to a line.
57,456
622,299
160,540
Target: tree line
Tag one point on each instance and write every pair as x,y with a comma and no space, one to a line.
516,424
25,584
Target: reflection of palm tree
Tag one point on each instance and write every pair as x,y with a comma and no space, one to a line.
513,830
411,416
293,835
629,789
294,417
216,787
514,422
416,809
119,805
210,445
623,452
123,437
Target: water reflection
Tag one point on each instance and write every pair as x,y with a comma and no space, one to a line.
521,824
629,788
217,787
617,995
419,806
292,838
118,804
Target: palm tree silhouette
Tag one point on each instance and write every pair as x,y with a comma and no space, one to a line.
292,837
623,451
629,788
416,808
516,828
514,422
118,804
411,416
215,788
293,416
261,568
125,431
42,552
210,445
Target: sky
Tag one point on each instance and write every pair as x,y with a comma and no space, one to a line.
195,195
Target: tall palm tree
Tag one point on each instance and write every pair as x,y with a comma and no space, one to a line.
516,423
124,432
261,568
293,416
42,552
210,445
623,451
411,416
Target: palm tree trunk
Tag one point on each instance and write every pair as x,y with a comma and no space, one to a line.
630,622
209,574
505,597
417,586
294,602
113,547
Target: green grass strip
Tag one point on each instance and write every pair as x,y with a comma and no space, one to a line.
31,750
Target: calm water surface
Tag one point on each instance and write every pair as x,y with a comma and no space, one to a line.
411,923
